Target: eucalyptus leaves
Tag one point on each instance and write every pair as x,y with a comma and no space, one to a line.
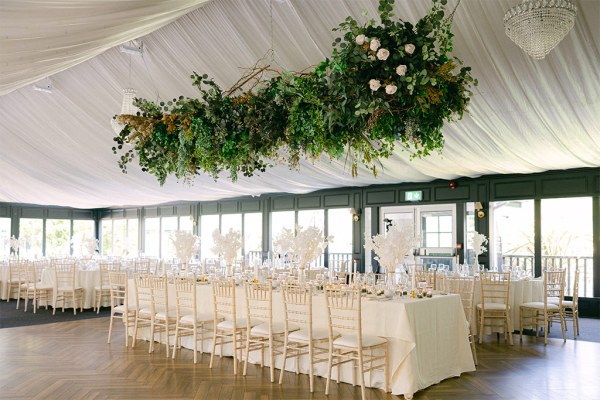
338,109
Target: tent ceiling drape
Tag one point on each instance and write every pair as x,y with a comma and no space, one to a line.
526,116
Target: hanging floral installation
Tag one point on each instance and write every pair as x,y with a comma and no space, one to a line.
387,83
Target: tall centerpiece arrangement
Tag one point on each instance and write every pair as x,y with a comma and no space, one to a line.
84,246
304,246
186,245
388,83
392,247
16,244
227,246
478,243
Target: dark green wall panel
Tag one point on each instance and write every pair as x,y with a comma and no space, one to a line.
564,186
210,208
32,213
250,205
513,190
5,212
283,203
185,209
381,197
309,202
229,207
151,212
448,194
337,200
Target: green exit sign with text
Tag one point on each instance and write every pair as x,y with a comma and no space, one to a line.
415,195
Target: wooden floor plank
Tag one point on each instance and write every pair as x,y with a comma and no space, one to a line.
71,360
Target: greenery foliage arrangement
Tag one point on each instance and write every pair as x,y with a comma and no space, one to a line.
386,83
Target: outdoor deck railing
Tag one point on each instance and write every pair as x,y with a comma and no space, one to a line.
569,263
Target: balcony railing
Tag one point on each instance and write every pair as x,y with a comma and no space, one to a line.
334,259
569,263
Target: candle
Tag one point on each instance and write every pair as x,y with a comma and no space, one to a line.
256,269
413,280
355,263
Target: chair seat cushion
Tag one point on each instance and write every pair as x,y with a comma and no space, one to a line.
69,288
352,341
161,314
567,303
493,306
240,324
553,300
539,305
103,288
302,335
121,309
200,317
277,329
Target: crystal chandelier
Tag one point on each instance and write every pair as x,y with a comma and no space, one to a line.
127,108
537,26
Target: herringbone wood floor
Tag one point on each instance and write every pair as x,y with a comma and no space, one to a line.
71,360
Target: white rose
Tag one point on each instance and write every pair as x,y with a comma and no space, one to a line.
374,44
371,57
383,54
360,40
391,89
401,70
409,48
374,84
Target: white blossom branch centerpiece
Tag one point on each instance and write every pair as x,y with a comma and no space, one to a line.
227,246
186,245
393,246
478,243
305,246
16,244
84,246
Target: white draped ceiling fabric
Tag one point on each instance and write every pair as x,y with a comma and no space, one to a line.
55,148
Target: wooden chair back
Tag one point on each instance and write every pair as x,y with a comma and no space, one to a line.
259,302
554,285
465,287
143,290
297,305
344,309
185,296
224,300
495,287
118,284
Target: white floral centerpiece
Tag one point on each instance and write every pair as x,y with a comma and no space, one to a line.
228,246
478,243
305,246
391,247
84,246
186,245
16,244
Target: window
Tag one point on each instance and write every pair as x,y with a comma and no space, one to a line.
120,237
4,237
436,228
83,236
208,224
340,227
231,221
107,237
511,241
186,224
168,226
58,237
32,231
314,218
152,237
253,236
281,220
567,240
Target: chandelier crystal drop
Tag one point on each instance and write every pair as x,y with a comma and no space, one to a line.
537,26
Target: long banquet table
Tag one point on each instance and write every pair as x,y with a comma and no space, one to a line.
427,337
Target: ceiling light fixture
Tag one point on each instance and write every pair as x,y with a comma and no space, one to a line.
133,47
538,26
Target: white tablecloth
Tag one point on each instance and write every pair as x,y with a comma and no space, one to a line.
87,279
521,291
4,277
427,337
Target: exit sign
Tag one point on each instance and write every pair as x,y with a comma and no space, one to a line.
415,195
